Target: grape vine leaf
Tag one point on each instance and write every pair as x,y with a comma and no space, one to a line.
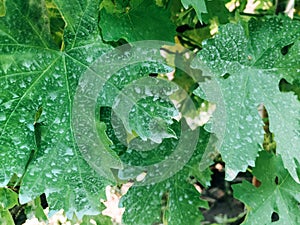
139,20
8,199
144,204
198,5
247,64
172,201
277,193
36,72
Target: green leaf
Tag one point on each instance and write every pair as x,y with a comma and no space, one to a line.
142,153
207,10
6,218
139,20
246,71
35,72
8,199
34,209
140,102
150,118
175,198
172,201
133,153
216,9
198,5
278,193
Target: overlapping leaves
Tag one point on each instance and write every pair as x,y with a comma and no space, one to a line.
45,46
172,201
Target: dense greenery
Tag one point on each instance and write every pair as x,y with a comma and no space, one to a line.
239,59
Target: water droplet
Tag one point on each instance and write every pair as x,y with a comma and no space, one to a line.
48,175
27,64
248,139
57,120
137,90
89,59
249,118
2,116
69,151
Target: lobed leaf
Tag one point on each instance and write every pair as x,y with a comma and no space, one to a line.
172,201
36,72
247,66
278,193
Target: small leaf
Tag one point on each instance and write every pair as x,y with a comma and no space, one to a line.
151,119
141,103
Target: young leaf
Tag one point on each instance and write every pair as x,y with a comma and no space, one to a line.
278,193
35,72
246,72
